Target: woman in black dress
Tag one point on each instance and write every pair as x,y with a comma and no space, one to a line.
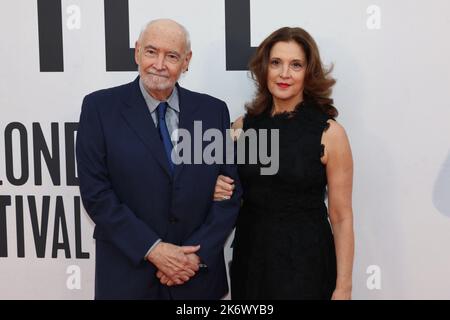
284,246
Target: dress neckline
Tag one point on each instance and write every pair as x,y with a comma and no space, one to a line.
286,114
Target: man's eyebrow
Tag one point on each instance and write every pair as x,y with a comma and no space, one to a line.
175,53
150,47
170,52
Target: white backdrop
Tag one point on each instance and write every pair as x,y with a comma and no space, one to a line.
391,62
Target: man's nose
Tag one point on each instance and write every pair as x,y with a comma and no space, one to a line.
159,63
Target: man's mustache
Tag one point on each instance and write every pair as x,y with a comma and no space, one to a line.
163,75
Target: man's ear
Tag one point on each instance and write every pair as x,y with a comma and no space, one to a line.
187,60
137,48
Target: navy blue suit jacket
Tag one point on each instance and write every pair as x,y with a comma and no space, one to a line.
133,200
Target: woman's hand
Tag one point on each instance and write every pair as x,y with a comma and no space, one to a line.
224,188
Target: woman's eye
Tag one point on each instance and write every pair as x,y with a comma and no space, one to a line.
275,62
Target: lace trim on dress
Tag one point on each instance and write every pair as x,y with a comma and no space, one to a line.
326,126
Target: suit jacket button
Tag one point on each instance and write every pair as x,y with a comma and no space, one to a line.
173,220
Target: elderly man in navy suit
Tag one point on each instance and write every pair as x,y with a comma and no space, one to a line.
159,234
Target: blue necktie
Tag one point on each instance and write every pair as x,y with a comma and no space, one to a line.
164,132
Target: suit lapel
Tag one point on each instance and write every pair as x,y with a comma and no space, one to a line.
188,107
137,115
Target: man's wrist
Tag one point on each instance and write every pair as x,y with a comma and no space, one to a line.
151,249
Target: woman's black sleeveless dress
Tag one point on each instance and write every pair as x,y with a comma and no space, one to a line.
283,246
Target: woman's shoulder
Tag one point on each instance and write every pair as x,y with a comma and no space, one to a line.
334,133
334,128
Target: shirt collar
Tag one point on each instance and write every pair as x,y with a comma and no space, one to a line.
152,103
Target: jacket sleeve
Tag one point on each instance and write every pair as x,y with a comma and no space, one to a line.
222,215
115,222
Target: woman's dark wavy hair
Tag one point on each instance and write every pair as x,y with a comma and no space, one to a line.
318,82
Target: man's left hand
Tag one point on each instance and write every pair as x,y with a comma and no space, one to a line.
193,259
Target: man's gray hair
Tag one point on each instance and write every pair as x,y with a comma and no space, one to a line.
187,37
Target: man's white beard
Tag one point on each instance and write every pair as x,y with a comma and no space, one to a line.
157,83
